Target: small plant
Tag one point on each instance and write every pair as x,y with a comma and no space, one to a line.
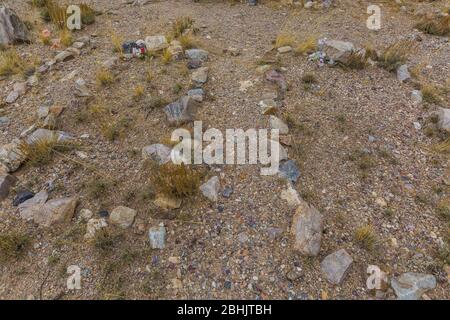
307,46
439,26
430,94
443,210
65,37
104,77
309,78
98,187
177,87
395,55
138,92
357,60
149,75
365,236
176,180
13,246
187,41
11,63
57,14
41,152
87,14
180,26
105,240
112,130
117,41
284,39
166,56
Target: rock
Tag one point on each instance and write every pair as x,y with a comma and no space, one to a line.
47,135
411,286
308,4
103,213
19,89
181,111
277,78
403,73
157,237
268,106
55,211
285,49
81,90
227,192
157,152
444,119
6,183
276,123
263,69
194,64
78,45
289,170
27,208
4,121
43,112
307,227
64,56
12,29
338,51
211,188
110,63
11,156
12,97
22,196
167,203
416,96
86,214
200,75
122,216
176,49
93,226
156,43
197,54
196,94
291,196
335,266
33,80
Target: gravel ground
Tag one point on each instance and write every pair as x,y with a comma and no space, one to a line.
240,247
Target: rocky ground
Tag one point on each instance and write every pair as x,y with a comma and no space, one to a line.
84,133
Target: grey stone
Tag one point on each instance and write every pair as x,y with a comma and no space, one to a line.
27,208
338,51
55,211
43,112
157,152
6,183
64,56
335,266
289,170
211,188
45,134
416,96
285,49
277,78
156,43
122,216
11,156
12,29
110,63
4,121
196,94
200,75
276,123
181,111
86,214
411,286
197,54
307,227
157,237
78,45
81,90
403,73
444,119
93,226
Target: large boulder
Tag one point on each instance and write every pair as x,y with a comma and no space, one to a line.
307,227
12,29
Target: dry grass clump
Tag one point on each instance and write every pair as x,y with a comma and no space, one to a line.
439,26
66,38
11,63
188,41
104,77
106,240
285,39
357,60
13,245
112,129
176,180
56,14
366,237
395,55
307,46
42,151
180,26
87,14
138,92
430,93
166,56
117,41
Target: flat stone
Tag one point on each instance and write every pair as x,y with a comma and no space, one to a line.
196,94
211,188
55,211
122,216
289,170
64,56
276,123
27,208
291,196
157,237
4,121
268,106
156,43
338,51
22,196
78,45
444,119
93,226
411,286
45,134
181,111
11,156
12,97
6,183
336,265
416,96
81,89
157,152
200,75
307,227
197,54
285,49
403,74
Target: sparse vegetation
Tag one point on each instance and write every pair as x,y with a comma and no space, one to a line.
439,26
365,236
13,245
307,46
395,55
87,14
104,77
284,39
181,25
166,56
11,63
42,151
